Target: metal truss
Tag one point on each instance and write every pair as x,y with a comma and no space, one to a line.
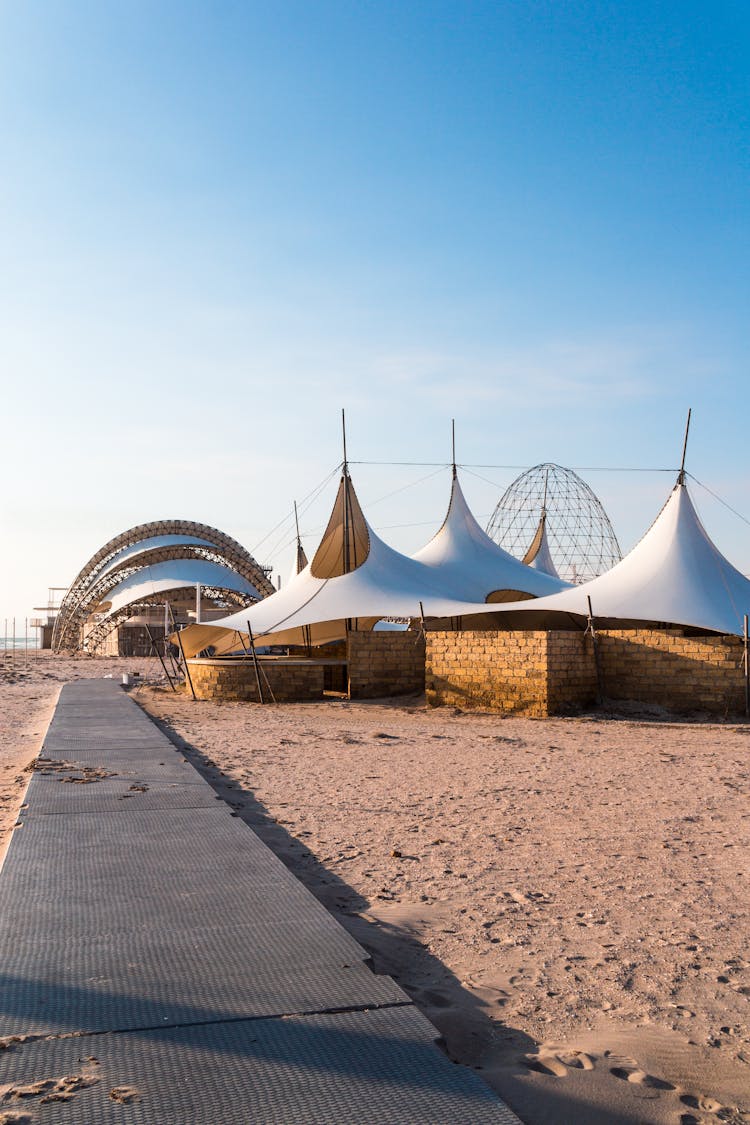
220,597
581,539
117,560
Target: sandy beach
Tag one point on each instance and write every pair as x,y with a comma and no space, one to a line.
566,899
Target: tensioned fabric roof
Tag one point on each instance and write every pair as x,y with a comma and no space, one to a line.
355,576
675,575
153,543
476,567
171,575
539,556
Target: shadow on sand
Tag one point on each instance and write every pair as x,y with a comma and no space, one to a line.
503,1055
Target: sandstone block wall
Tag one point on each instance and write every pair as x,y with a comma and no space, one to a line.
385,664
234,680
523,672
680,673
571,672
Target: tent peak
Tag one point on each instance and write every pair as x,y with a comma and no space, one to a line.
539,555
346,541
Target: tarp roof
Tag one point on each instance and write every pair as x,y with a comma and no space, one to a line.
171,575
539,556
464,555
675,575
357,577
153,543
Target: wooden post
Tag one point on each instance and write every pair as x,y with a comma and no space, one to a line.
592,630
187,670
255,663
161,659
747,667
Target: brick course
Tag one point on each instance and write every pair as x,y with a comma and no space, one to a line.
524,672
234,680
681,673
385,663
540,673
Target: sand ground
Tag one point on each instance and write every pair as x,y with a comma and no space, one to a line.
567,899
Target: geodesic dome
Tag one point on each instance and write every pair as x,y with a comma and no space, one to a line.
581,539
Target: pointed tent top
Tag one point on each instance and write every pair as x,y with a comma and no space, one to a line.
299,562
674,575
453,447
462,549
539,555
346,541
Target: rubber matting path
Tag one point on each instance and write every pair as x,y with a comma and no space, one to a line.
158,963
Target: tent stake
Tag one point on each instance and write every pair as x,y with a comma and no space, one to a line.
256,665
747,668
590,628
161,660
184,661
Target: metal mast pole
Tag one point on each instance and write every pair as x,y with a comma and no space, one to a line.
681,477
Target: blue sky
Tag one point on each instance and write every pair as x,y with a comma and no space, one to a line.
222,222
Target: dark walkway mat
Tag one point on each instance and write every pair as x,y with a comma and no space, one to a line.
80,791
360,1068
179,970
143,762
153,980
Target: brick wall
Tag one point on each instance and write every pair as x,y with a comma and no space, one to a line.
547,673
385,663
680,673
290,680
517,671
571,672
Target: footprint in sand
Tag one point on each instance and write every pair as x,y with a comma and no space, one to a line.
702,1103
558,1063
631,1072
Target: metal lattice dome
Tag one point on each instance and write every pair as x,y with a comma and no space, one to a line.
581,539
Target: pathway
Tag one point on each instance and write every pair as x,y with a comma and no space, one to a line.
160,964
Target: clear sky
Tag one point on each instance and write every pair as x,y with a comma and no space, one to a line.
220,222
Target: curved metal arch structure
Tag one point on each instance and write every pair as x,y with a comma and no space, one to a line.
138,548
98,635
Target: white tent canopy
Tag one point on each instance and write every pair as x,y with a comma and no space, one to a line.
171,575
475,566
675,575
539,556
356,577
135,553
